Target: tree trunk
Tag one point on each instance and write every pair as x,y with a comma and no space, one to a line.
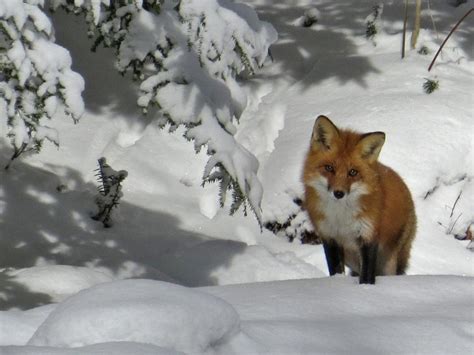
405,19
416,27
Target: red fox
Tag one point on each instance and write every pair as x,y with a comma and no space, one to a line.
360,208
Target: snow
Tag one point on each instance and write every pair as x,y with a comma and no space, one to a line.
58,281
178,274
34,67
118,348
414,314
143,311
431,314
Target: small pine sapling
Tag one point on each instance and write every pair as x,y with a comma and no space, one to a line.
424,50
110,191
430,85
310,17
373,23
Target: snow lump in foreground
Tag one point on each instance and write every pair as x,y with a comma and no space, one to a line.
143,311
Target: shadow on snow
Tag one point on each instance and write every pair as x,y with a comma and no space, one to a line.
41,226
317,46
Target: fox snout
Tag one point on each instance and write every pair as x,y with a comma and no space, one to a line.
325,188
329,190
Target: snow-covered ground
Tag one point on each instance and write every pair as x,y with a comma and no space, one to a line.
63,287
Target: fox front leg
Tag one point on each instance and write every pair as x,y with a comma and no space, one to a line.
368,262
334,257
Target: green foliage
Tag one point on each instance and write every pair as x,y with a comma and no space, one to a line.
372,22
228,184
371,30
295,226
430,85
35,78
188,72
424,50
110,192
310,17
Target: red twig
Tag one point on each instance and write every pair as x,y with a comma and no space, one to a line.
447,37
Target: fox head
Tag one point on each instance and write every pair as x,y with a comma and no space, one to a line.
342,163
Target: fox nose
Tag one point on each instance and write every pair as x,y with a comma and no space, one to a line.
339,194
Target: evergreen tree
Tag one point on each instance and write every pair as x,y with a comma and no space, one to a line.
187,57
35,76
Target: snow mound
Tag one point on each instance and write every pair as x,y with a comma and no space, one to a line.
336,315
143,311
58,281
116,348
17,327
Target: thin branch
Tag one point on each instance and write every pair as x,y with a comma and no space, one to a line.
449,35
455,203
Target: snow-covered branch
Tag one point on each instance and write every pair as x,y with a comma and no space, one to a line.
187,56
35,76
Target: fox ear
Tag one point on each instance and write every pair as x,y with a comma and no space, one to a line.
325,134
370,145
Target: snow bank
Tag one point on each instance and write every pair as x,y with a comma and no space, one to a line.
142,311
17,327
116,348
398,315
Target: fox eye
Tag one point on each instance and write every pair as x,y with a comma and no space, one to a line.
329,168
353,172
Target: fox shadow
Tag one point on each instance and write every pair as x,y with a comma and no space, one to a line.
46,220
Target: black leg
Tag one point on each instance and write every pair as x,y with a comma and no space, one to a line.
368,255
334,257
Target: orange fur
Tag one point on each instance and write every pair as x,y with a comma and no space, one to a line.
377,206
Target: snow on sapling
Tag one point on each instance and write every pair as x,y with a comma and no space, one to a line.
187,56
373,23
309,18
295,226
36,79
110,191
424,50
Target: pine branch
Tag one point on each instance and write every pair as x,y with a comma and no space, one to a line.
110,191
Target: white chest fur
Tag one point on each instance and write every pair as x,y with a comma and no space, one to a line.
342,220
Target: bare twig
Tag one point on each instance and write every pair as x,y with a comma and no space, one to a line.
454,224
447,37
455,203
